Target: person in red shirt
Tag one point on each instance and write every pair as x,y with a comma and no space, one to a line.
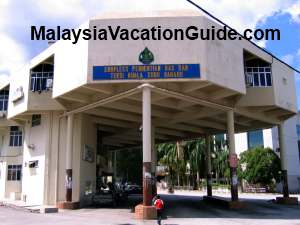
159,205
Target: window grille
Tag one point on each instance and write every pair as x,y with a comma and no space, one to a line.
258,76
4,100
16,136
36,120
14,172
40,81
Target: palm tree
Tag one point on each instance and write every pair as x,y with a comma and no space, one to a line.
195,157
220,160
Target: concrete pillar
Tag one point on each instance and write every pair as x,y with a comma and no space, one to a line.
285,187
154,161
208,165
69,155
232,156
147,147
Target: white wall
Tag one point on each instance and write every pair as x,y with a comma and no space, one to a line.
33,178
9,156
241,143
293,161
221,62
268,139
70,65
88,169
3,168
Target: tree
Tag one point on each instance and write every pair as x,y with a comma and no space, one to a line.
194,155
220,160
259,166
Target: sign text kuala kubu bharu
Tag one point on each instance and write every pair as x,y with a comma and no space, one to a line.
140,72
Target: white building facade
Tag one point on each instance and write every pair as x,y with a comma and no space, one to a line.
71,104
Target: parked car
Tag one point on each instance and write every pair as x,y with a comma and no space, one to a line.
131,189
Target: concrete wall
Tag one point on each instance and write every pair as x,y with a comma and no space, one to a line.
9,156
33,178
293,161
88,169
70,65
84,173
241,143
284,86
32,101
221,61
20,79
3,171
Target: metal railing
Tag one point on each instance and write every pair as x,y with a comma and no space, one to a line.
41,81
258,76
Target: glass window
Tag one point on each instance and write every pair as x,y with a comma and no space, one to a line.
15,138
36,120
256,79
262,80
261,76
14,172
3,100
255,139
269,79
39,81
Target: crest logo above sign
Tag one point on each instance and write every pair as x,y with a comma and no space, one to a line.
146,56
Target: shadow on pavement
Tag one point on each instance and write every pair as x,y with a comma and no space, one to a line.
178,206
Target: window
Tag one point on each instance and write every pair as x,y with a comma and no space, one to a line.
34,164
36,120
261,76
40,81
41,78
3,100
15,138
255,139
298,134
14,172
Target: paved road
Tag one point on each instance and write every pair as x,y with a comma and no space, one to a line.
181,210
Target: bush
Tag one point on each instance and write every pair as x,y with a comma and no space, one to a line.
259,166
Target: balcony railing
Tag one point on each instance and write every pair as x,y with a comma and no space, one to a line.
41,81
258,76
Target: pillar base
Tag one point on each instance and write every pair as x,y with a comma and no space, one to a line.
68,205
145,212
287,201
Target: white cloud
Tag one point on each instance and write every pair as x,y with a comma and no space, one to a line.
289,59
262,43
294,11
12,55
298,53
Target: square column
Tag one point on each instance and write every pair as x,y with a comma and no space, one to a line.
69,204
208,165
69,155
232,156
286,199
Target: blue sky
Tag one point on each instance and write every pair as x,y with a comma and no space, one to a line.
16,17
288,48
